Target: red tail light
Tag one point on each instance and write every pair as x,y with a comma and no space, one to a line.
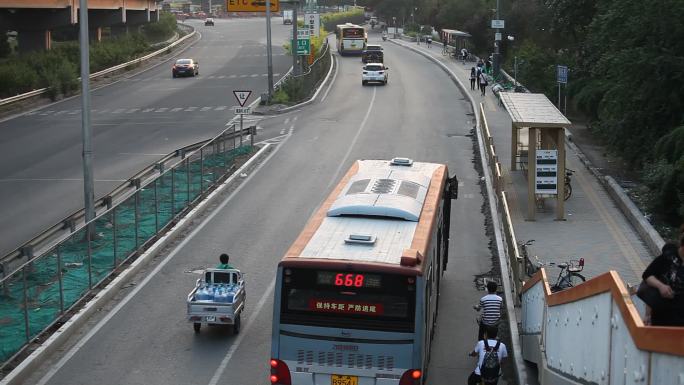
280,373
411,377
581,262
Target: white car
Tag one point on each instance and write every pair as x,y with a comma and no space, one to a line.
374,72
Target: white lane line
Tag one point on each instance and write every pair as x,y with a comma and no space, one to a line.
148,110
224,363
331,82
204,109
287,120
176,109
69,355
221,108
132,110
190,109
163,109
343,163
297,117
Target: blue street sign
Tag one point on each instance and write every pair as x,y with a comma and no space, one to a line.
562,74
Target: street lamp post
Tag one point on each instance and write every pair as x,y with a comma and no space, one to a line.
269,52
497,57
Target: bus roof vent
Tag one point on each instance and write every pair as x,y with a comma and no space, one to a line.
383,186
401,162
358,186
360,239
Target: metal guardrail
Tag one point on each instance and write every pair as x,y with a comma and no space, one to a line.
71,261
17,98
73,222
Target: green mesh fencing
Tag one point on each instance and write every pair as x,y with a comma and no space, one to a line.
34,297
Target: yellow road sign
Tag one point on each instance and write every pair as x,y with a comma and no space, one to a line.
251,5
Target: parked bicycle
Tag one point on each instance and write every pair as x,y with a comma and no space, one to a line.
568,186
569,275
530,266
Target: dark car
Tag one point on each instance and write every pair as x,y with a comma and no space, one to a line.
372,54
187,67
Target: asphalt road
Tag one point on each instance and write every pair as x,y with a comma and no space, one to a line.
419,114
135,122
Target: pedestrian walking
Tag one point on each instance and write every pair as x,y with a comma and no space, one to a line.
490,305
483,82
473,78
429,41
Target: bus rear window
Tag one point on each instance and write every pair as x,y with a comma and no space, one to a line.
355,300
357,33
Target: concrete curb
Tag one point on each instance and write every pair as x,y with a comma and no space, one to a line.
520,371
636,218
20,374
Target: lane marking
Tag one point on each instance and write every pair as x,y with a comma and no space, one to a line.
353,143
153,274
331,82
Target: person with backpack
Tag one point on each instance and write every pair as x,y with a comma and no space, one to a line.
490,353
483,82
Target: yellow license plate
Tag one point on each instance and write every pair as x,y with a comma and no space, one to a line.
337,379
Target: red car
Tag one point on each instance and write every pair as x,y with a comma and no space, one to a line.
187,67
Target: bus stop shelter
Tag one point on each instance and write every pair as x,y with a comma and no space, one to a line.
543,156
455,38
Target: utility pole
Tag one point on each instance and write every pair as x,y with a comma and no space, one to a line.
269,52
295,69
86,129
497,40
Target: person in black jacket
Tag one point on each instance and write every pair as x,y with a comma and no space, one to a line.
666,273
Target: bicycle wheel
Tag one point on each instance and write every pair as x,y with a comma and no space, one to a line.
576,279
568,191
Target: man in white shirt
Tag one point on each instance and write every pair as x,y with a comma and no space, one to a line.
493,346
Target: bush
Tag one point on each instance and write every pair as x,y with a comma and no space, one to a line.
16,79
163,29
280,97
665,177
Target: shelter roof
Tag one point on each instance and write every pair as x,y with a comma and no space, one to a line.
532,110
454,32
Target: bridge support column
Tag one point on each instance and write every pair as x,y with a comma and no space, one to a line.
95,34
34,40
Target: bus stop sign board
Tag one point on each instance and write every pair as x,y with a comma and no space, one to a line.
251,5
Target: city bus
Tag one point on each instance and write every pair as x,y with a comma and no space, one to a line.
351,39
357,293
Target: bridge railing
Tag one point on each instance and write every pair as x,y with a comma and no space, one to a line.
593,333
70,260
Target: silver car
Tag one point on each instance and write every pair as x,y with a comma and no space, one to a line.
374,72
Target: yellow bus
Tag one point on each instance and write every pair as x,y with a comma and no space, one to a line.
351,39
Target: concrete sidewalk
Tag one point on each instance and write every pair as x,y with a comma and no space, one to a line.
595,228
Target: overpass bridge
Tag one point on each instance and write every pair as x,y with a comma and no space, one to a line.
34,20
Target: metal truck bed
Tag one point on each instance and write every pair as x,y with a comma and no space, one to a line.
217,299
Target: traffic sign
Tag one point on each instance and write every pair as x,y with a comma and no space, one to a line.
313,21
303,46
562,74
242,96
242,110
499,24
251,5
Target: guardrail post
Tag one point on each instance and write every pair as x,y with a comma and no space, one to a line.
70,224
89,237
187,177
60,278
156,205
114,234
202,171
136,216
26,318
173,192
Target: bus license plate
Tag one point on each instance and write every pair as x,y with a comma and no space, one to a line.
344,380
211,318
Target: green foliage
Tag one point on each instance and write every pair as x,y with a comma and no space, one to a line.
163,29
281,97
15,79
